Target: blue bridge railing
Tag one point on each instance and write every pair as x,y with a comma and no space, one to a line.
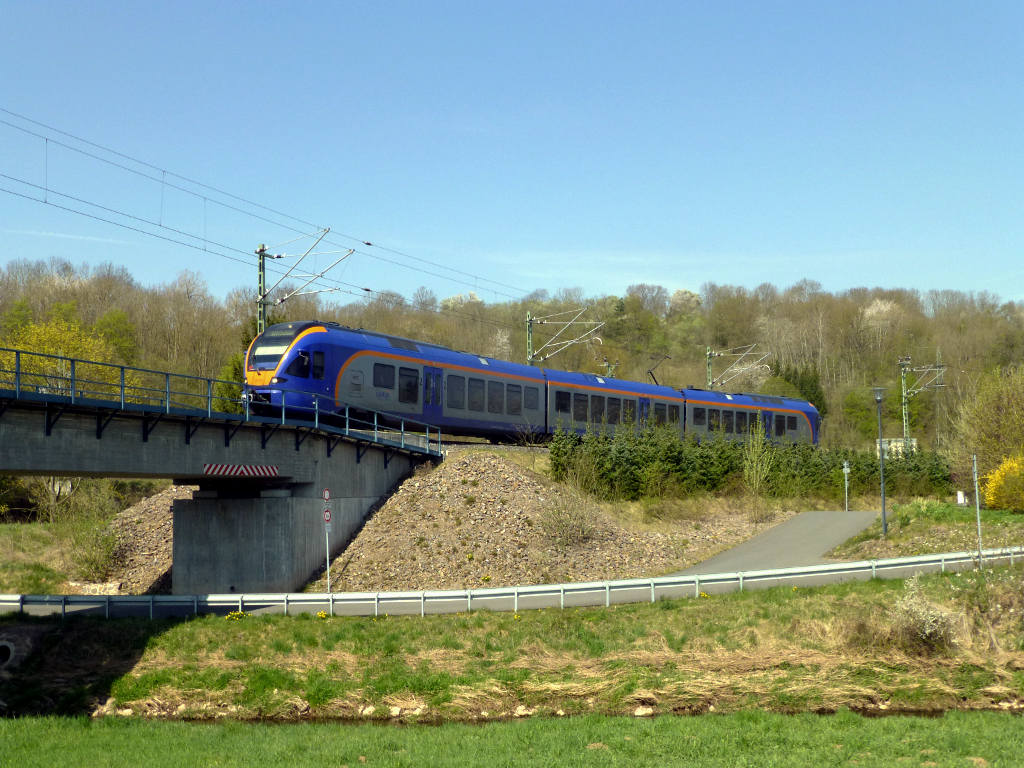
38,377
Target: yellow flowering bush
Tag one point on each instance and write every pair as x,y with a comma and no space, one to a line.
1004,487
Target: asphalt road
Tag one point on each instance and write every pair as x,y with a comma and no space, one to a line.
801,540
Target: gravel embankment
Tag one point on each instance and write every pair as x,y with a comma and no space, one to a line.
478,519
482,520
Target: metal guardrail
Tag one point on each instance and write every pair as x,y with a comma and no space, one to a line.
589,594
38,377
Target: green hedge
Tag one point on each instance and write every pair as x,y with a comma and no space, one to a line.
633,465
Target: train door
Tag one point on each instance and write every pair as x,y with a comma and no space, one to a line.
643,412
432,394
767,423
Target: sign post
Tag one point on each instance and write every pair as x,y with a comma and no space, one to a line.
327,537
846,483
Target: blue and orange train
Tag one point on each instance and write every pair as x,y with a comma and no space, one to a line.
467,394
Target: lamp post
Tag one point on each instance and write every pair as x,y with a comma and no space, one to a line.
879,391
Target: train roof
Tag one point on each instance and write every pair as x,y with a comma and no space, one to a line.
640,388
433,352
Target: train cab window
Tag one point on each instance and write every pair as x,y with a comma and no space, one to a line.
614,409
791,423
383,376
629,411
532,400
457,392
714,418
700,417
741,423
495,397
562,402
727,421
579,407
408,385
299,367
476,394
513,399
597,408
659,413
318,365
673,414
780,425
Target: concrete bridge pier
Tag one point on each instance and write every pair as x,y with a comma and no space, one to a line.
256,524
234,537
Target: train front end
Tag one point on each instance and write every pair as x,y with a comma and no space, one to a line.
284,371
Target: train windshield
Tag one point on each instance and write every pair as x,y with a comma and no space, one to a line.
268,348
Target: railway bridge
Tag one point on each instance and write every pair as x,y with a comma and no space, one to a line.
257,521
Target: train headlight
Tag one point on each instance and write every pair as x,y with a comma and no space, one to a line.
278,380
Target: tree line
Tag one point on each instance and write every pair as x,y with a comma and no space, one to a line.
830,348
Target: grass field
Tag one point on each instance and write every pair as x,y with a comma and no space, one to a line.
951,642
745,739
924,526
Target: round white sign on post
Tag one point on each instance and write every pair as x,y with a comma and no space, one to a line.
327,494
327,515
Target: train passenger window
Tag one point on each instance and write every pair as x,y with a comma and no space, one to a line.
457,392
408,385
727,421
579,407
614,408
597,408
700,417
562,401
532,402
741,423
629,411
714,418
383,376
659,413
495,397
514,399
780,425
673,414
476,394
791,423
355,384
299,367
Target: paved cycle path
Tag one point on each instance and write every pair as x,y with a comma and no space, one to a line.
801,540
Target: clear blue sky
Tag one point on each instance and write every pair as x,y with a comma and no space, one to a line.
539,144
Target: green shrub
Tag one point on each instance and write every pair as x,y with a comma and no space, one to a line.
657,463
920,625
568,522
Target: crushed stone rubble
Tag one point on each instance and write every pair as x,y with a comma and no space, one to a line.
145,534
478,520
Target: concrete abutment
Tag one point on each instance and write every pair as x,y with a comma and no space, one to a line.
275,541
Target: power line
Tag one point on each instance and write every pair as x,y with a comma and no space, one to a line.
117,223
360,291
163,182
